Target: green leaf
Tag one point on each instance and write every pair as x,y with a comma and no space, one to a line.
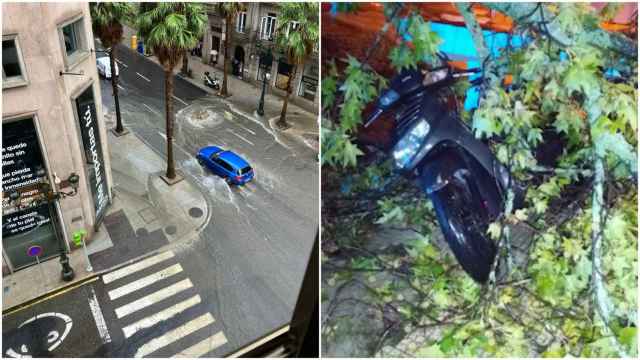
629,337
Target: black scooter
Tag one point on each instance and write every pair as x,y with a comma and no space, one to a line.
211,82
465,182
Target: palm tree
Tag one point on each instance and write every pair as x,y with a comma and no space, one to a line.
106,20
169,30
297,37
228,10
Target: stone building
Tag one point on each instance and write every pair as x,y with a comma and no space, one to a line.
52,127
253,35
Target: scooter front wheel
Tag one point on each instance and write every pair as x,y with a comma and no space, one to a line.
466,236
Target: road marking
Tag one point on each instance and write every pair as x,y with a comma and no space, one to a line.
175,334
145,281
177,98
240,136
229,116
121,63
153,298
204,346
120,273
120,87
101,324
150,109
142,76
160,316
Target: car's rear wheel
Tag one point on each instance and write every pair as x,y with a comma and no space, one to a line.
200,161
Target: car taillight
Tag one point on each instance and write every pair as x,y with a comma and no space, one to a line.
238,178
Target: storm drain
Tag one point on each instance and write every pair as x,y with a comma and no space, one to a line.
195,212
171,230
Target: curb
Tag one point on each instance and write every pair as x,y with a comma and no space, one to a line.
49,294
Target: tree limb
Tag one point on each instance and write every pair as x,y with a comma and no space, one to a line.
526,14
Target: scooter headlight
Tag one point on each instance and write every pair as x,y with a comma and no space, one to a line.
409,145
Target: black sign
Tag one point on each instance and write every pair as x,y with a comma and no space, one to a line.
21,155
309,81
22,221
93,152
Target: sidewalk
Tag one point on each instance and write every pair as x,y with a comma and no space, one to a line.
146,216
245,97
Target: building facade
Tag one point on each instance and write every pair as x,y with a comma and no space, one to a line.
252,36
52,124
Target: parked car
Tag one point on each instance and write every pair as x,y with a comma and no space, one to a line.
226,164
104,67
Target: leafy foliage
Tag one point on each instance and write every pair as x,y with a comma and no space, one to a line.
546,305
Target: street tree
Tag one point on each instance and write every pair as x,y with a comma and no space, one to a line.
106,18
228,10
169,30
297,37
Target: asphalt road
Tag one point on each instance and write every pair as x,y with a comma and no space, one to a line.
242,275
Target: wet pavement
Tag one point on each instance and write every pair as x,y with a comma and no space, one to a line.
248,262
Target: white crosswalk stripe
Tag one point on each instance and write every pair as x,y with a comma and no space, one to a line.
145,281
175,334
211,343
176,285
153,298
110,277
161,316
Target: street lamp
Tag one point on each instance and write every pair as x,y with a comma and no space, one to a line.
265,78
265,62
49,195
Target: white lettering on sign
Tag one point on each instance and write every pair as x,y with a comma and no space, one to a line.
95,159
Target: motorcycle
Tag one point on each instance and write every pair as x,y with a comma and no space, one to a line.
211,82
463,179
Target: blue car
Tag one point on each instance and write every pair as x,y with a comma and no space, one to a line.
226,164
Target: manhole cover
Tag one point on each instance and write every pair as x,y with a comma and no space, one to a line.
171,230
195,212
142,232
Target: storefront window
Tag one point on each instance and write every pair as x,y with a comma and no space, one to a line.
284,70
27,224
309,81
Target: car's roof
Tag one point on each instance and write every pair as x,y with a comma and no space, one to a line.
233,159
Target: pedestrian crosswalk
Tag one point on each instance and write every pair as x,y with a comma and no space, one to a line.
160,311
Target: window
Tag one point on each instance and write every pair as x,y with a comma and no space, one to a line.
293,25
284,71
309,81
245,170
72,37
241,21
13,72
267,26
225,165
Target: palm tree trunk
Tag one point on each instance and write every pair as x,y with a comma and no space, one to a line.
283,114
114,85
185,63
168,101
223,90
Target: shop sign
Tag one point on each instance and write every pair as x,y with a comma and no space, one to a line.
21,158
93,152
20,222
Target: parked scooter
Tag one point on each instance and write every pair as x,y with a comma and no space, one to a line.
211,82
464,180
